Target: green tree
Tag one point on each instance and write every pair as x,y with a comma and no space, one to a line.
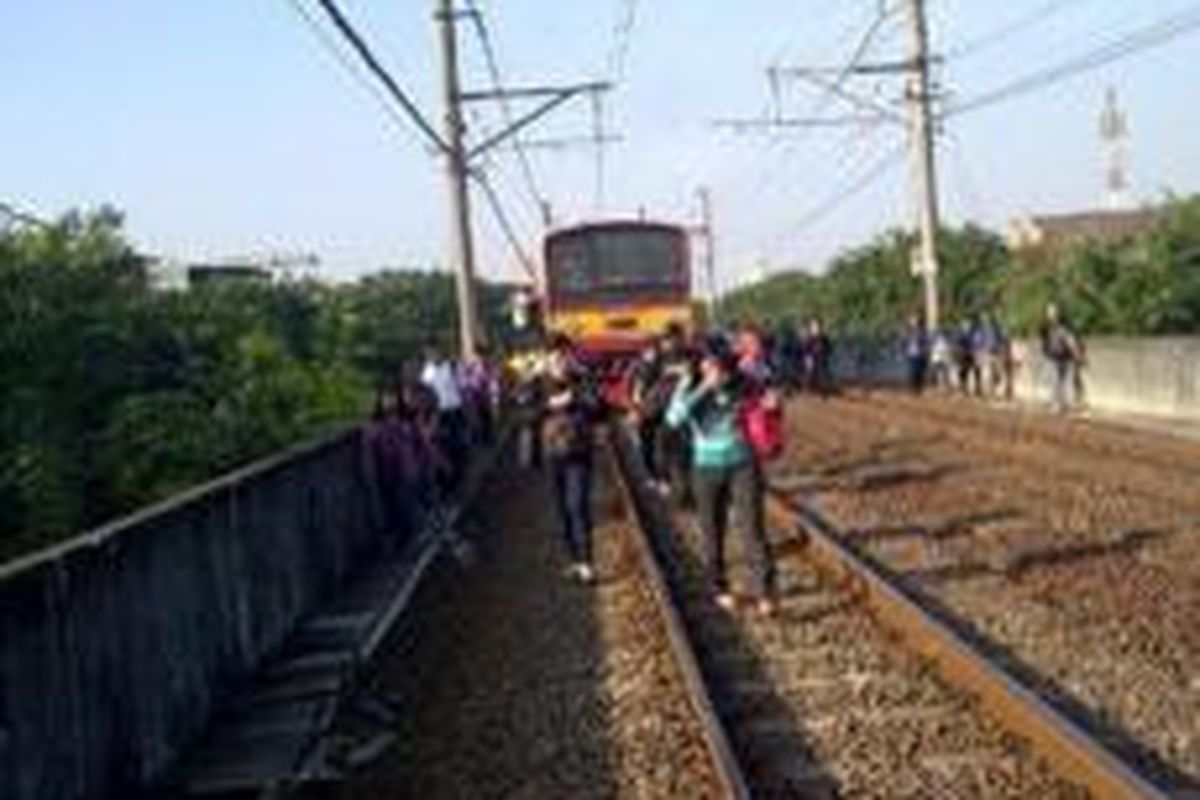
870,290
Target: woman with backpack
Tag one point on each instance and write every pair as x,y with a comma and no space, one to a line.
727,476
570,413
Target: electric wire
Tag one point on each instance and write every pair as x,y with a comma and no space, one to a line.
622,40
360,46
967,187
861,48
493,67
504,222
329,43
1153,35
826,207
990,40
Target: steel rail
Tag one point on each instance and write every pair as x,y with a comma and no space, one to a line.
1069,749
632,481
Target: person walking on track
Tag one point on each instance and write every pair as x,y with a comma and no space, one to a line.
727,476
675,447
647,408
568,441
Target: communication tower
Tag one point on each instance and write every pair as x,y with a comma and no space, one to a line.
1114,133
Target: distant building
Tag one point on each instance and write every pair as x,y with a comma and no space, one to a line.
206,274
1061,231
165,274
172,274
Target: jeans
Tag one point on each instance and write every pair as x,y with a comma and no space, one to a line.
988,367
571,479
916,373
648,430
740,490
529,438
1065,380
674,446
454,439
968,375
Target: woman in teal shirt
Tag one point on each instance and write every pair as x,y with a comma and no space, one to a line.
726,475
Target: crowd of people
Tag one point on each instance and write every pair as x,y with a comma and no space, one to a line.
705,412
978,358
691,406
418,439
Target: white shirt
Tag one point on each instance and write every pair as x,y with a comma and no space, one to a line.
439,376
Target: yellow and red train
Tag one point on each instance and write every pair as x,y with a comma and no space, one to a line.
613,287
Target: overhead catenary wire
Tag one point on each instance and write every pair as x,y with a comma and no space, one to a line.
329,43
622,40
411,111
862,47
1153,35
878,169
968,188
992,39
505,224
360,46
493,66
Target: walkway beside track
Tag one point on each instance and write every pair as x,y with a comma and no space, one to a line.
515,681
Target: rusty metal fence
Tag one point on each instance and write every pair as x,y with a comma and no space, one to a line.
116,646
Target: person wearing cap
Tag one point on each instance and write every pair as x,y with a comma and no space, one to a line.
726,475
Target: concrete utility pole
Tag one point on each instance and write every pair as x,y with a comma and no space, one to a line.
710,251
924,170
462,250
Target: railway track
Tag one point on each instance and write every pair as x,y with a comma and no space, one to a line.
1156,466
855,689
1081,570
1098,440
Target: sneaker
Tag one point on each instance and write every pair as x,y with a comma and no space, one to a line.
766,607
726,601
585,572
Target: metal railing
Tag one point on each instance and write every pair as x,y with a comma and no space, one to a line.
116,646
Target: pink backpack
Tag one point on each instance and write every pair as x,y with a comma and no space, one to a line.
761,417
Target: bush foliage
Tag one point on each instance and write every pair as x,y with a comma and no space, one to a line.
1148,285
114,394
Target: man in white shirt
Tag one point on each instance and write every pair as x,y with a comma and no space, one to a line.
441,377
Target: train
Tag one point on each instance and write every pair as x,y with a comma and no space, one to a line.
613,287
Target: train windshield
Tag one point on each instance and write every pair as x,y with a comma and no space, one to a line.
616,265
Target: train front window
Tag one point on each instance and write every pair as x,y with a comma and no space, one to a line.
616,266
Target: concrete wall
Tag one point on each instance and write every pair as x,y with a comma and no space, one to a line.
1146,376
869,362
114,647
1156,377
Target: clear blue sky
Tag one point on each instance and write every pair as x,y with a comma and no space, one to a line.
222,127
